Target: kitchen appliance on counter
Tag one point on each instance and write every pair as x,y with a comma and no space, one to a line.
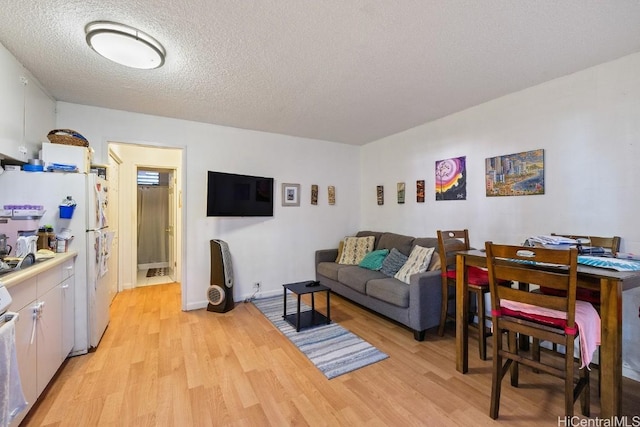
18,220
26,245
91,239
5,247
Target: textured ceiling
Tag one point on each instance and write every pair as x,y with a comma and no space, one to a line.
350,71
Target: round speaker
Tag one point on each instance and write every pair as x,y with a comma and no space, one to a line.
216,295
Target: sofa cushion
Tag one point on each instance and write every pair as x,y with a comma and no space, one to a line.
393,262
426,242
373,260
329,269
418,262
355,248
389,290
398,241
366,233
356,278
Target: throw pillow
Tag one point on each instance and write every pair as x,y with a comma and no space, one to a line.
355,248
393,262
435,262
373,260
340,247
418,261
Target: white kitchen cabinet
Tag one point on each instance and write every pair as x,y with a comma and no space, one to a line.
39,116
49,336
11,103
45,327
27,112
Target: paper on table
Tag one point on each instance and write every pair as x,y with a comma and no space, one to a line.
552,241
611,263
627,255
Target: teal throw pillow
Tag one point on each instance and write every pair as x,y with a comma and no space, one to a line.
393,262
373,260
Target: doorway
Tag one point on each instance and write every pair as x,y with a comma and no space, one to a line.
135,157
155,225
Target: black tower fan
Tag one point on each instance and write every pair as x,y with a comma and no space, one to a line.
220,292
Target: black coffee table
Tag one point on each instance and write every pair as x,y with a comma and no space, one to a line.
310,318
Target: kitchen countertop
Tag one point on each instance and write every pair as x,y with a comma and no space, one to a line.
19,276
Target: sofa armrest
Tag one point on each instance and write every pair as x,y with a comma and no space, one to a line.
425,297
426,279
326,255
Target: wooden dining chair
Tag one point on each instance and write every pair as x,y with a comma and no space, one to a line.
589,295
510,317
450,242
610,243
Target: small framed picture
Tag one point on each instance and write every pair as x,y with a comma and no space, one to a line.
401,192
331,190
314,194
420,191
380,194
290,194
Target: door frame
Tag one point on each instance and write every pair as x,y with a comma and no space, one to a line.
114,163
147,155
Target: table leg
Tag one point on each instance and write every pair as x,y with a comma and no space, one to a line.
524,339
462,315
328,308
298,316
313,308
284,315
611,348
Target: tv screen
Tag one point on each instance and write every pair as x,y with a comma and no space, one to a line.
230,194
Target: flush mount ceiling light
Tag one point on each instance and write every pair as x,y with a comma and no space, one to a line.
125,45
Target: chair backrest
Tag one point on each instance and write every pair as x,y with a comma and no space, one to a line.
612,243
551,268
450,242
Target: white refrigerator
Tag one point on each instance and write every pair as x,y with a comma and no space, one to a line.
91,239
99,242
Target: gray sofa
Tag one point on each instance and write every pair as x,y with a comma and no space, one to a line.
415,305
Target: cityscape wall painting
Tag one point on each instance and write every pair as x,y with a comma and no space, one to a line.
519,174
451,179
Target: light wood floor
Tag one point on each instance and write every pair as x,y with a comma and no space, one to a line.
159,366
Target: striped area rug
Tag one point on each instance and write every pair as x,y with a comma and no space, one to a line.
331,348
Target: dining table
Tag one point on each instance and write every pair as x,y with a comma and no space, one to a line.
610,283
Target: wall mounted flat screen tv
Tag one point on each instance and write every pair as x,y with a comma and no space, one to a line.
230,194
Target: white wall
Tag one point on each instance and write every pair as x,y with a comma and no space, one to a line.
588,124
274,250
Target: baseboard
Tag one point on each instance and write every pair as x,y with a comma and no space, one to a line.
203,304
197,305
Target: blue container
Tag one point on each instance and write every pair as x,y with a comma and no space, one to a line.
32,168
66,212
